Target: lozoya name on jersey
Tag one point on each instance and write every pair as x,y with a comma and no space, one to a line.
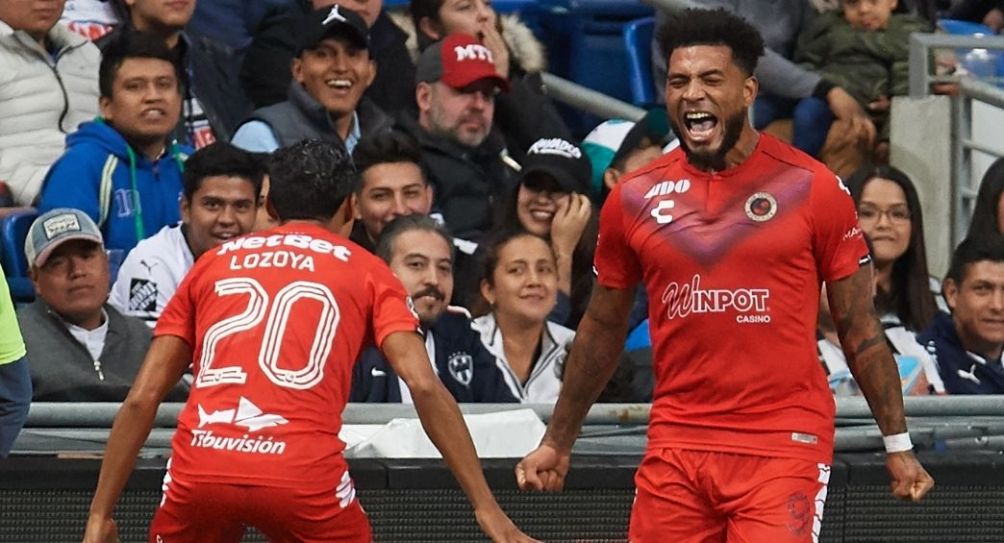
281,259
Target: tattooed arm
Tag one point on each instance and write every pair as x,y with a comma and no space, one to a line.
874,369
592,360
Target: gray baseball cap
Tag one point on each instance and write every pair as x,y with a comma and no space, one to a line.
55,227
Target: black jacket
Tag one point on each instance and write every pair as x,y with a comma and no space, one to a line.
265,74
962,372
467,183
302,117
465,366
209,74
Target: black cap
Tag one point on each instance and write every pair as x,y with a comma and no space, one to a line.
336,20
561,160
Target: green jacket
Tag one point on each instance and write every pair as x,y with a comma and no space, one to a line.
867,64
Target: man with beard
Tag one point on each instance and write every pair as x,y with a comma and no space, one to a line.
420,253
463,158
732,234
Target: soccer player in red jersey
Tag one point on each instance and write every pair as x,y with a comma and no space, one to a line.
272,323
732,234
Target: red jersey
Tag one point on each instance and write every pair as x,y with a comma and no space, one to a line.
276,320
732,263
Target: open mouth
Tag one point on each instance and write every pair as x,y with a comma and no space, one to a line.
541,215
153,114
339,84
700,125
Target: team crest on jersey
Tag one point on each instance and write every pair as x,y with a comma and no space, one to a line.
760,207
142,295
461,366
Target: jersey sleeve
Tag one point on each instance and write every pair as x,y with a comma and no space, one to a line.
142,288
615,263
178,318
838,243
392,310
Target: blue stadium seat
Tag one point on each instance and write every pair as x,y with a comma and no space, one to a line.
638,46
13,230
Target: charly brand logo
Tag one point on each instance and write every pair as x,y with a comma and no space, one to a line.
683,299
761,207
660,211
247,415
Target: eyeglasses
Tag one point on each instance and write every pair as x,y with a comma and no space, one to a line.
896,215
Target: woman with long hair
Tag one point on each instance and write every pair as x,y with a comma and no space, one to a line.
889,214
988,215
520,284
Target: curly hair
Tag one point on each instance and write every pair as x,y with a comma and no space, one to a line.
713,27
310,180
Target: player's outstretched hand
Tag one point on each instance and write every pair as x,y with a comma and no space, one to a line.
500,528
910,481
101,530
543,469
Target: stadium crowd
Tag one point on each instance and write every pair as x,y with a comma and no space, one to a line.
140,131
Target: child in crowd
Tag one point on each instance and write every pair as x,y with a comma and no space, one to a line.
862,48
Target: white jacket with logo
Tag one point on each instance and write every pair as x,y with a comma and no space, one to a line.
544,382
151,273
44,96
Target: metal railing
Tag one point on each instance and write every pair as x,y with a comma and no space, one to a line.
965,184
960,422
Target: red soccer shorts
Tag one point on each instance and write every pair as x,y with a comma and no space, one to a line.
219,513
689,496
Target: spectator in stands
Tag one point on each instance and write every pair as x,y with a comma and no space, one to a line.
550,201
988,215
263,220
265,72
420,252
967,344
332,70
524,113
863,48
890,215
463,158
219,202
122,169
616,147
520,284
234,22
783,83
48,85
80,349
391,184
213,101
918,372
15,379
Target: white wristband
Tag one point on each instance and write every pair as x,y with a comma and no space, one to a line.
897,443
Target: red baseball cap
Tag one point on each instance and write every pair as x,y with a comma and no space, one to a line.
458,60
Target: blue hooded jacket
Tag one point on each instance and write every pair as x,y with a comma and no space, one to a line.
101,175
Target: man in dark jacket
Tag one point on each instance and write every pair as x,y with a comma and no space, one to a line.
214,102
331,71
967,344
79,347
420,252
463,158
265,71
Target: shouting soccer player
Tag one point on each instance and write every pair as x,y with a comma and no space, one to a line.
272,323
732,234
